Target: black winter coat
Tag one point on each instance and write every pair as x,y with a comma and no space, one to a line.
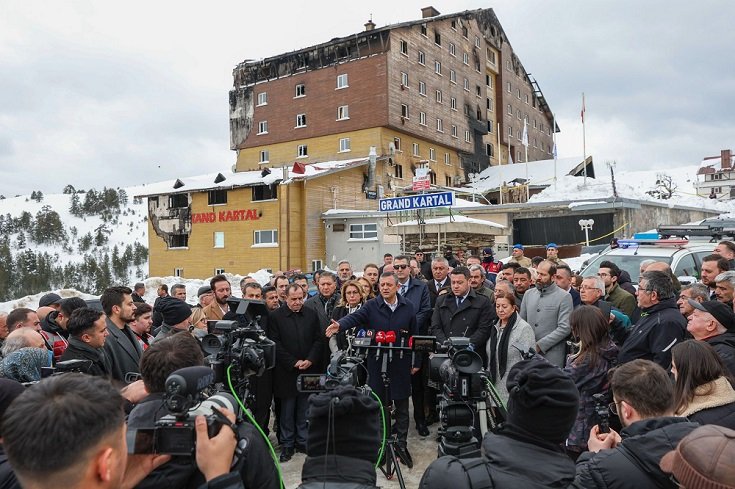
78,350
434,291
634,463
720,415
661,327
511,461
124,354
724,345
418,295
376,315
449,320
298,336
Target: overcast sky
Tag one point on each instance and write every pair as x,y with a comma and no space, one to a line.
116,94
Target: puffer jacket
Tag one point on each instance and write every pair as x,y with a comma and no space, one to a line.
634,463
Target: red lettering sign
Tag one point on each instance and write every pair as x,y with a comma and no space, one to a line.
224,216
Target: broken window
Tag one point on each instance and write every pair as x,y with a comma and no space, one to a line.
265,192
178,241
177,201
217,197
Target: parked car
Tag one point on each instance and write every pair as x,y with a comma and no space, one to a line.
685,258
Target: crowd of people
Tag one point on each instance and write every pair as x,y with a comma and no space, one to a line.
621,376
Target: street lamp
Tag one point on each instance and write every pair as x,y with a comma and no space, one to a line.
586,225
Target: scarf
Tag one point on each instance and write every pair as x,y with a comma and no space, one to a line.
500,364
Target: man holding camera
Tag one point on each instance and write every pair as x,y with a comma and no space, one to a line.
161,360
389,313
77,439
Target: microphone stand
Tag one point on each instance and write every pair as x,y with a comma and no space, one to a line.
391,467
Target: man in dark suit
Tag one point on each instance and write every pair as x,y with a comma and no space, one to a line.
417,293
299,340
121,346
440,271
389,312
462,312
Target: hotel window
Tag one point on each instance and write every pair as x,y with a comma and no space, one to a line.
219,271
265,192
404,79
178,272
510,109
452,76
423,29
491,56
264,156
478,91
467,137
447,181
454,131
316,265
464,32
439,96
508,87
344,145
526,97
510,131
452,49
466,84
432,154
422,88
342,81
489,149
404,111
397,143
343,112
440,125
437,67
432,177
447,159
488,81
301,120
217,197
453,103
415,149
300,90
422,118
263,98
176,201
437,38
490,104
178,241
477,42
219,239
265,237
422,58
404,47
518,93
302,151
364,231
466,58
398,173
263,127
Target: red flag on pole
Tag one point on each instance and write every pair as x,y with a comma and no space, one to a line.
583,109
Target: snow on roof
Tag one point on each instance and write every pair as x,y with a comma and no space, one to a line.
715,163
243,178
539,172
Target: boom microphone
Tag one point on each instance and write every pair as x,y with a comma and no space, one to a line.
184,385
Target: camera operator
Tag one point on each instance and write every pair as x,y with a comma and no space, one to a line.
643,399
389,312
87,334
159,361
77,439
526,450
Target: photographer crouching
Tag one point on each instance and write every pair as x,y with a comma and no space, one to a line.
77,439
255,466
389,312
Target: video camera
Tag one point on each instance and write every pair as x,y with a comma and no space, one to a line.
458,370
240,343
343,370
175,433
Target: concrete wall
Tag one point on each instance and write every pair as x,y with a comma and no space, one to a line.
360,252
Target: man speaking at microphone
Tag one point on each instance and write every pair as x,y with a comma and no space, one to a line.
388,312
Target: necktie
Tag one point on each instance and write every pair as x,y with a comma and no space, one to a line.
403,289
459,300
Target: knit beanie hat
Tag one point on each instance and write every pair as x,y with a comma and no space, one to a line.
173,310
704,459
355,429
543,400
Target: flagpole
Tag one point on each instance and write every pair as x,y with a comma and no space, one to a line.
553,128
500,164
524,141
584,142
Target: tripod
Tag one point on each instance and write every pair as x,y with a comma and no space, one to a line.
391,466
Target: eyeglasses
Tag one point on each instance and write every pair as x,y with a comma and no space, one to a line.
399,267
613,407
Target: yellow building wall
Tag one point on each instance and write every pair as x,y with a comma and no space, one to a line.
201,258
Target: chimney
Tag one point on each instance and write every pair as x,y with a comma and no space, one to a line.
725,159
427,12
369,25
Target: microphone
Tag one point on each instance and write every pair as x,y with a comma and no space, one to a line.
379,339
390,338
184,385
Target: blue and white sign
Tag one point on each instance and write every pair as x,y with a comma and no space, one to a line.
424,201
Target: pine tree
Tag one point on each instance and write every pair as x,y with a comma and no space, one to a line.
69,189
21,241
